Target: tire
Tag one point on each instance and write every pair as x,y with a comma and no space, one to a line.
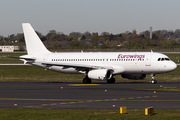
112,80
153,81
86,80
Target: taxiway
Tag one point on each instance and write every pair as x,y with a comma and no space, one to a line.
86,96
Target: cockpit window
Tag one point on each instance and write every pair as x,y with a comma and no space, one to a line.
163,59
167,59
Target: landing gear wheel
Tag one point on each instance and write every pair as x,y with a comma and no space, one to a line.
112,80
153,81
86,80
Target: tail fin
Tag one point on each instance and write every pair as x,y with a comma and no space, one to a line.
33,42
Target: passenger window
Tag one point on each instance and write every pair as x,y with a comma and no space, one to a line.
159,59
162,59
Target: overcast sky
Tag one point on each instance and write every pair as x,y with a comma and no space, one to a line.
114,16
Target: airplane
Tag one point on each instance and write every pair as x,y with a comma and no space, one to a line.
95,65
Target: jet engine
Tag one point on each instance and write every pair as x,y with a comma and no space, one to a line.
134,76
100,74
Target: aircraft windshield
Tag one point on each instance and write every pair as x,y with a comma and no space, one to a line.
163,59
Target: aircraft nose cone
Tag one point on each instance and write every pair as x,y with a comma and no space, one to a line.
173,66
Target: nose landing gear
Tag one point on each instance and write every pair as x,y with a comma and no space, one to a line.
153,81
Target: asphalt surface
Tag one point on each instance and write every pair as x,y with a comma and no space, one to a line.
86,96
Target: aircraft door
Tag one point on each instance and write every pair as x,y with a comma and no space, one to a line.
148,60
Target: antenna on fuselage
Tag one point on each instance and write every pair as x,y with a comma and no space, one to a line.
151,51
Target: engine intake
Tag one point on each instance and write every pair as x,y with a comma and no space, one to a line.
100,74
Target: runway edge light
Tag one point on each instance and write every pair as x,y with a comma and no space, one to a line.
123,110
149,110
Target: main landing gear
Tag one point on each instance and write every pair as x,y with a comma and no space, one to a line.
153,81
112,80
86,80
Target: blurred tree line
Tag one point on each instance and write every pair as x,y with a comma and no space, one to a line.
161,39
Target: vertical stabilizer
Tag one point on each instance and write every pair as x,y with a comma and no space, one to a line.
33,42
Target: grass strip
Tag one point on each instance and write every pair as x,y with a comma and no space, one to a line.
4,59
17,73
84,114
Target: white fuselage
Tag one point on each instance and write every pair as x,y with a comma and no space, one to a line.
119,62
97,66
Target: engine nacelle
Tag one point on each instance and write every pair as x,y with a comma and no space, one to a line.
134,76
100,74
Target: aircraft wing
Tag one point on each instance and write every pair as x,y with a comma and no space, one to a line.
77,66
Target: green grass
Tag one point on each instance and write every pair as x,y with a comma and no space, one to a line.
36,74
4,59
85,114
174,57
